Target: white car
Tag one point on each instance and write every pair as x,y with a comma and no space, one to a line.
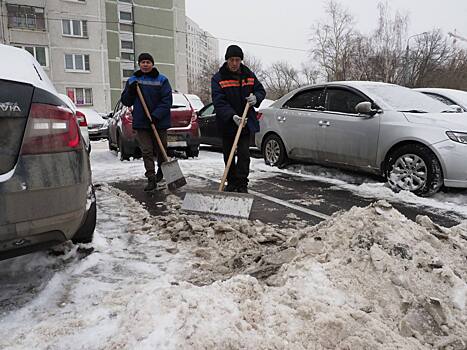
450,97
97,125
195,101
83,126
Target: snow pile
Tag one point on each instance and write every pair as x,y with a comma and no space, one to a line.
367,278
364,279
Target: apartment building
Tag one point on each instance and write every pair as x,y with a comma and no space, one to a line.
202,48
89,47
67,37
157,27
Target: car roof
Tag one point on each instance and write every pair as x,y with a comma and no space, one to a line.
19,65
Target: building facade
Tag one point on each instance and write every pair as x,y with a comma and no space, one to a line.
89,47
67,37
202,48
154,26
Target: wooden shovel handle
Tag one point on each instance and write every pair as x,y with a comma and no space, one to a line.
154,130
234,148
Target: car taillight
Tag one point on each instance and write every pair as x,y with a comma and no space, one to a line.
51,129
194,116
259,116
81,119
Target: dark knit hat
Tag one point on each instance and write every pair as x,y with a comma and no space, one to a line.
233,51
145,56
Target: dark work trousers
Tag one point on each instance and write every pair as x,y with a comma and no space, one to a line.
240,167
150,149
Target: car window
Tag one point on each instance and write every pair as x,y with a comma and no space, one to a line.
208,111
308,99
342,100
179,101
443,99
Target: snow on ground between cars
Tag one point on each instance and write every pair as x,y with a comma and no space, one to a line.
365,279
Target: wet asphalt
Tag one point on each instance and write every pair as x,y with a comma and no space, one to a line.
296,190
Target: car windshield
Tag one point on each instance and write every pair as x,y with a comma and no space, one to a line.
179,101
403,99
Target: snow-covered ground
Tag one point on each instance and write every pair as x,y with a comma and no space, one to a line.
364,279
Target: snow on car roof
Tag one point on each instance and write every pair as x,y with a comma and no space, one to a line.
19,65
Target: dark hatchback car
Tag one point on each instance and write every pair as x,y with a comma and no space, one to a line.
209,134
182,136
46,193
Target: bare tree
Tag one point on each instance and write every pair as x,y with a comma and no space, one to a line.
333,42
431,54
255,65
309,74
201,85
281,78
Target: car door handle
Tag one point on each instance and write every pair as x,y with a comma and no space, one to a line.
281,119
324,123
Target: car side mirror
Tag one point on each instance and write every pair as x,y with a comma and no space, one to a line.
365,108
108,116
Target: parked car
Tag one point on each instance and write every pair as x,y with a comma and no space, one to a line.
183,135
450,97
209,134
195,102
97,124
82,122
374,127
46,193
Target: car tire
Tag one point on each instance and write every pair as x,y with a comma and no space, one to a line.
86,232
192,151
273,151
414,168
121,149
111,147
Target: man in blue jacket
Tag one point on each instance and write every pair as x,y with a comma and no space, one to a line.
158,96
232,88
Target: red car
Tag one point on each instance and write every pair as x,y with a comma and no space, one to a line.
183,135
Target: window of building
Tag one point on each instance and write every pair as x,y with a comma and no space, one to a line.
126,27
127,1
77,62
125,16
127,44
127,73
80,96
40,53
128,56
25,17
77,28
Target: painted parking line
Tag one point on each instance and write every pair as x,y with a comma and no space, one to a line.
275,200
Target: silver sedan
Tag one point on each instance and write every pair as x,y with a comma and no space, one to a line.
414,141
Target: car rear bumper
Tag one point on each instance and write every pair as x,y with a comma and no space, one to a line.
97,134
46,193
183,137
453,157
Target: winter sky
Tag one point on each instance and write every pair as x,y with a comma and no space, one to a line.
287,23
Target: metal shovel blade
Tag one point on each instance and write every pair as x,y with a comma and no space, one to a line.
173,174
222,203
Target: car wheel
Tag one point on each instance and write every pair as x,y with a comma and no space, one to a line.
274,151
86,232
416,169
121,149
192,151
111,147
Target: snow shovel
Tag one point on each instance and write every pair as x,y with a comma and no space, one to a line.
170,169
219,202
